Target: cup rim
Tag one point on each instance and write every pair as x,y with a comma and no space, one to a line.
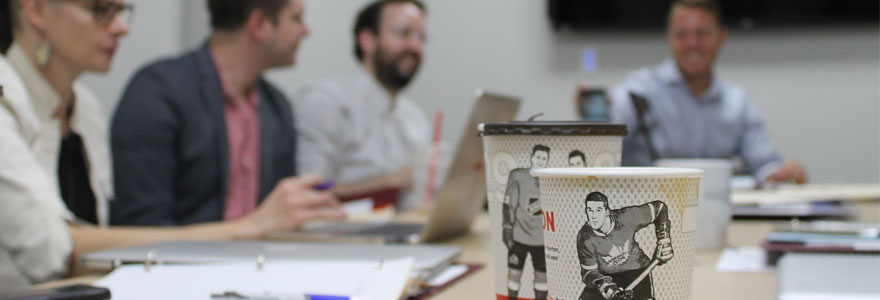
620,172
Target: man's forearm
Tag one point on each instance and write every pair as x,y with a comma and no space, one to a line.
590,277
401,179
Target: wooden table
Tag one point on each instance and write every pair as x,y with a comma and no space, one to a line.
707,282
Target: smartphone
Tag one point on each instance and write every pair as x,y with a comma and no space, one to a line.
593,105
71,292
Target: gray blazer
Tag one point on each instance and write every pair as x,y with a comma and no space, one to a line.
170,148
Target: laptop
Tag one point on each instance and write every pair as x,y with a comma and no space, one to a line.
429,260
456,203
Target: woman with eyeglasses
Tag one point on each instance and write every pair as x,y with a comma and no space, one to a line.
55,169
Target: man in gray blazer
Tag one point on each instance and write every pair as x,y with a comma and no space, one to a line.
203,137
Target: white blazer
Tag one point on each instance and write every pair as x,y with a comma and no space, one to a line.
33,217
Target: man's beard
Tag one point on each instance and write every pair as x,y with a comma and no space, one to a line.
389,74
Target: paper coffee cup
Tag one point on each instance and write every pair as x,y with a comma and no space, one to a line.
512,151
610,233
715,208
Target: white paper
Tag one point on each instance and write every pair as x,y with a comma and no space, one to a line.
364,280
743,259
358,207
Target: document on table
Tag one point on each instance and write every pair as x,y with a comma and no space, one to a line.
377,280
743,259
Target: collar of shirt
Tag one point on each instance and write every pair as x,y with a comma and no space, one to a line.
229,94
671,75
385,103
43,97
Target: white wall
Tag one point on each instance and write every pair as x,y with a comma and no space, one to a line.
818,89
155,32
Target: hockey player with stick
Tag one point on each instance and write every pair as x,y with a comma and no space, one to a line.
613,266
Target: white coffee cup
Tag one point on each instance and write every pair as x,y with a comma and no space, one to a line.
617,232
512,151
715,209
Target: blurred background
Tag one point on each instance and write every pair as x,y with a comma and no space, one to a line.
814,71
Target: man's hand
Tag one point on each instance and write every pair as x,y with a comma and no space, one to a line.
611,291
789,171
292,203
507,235
663,252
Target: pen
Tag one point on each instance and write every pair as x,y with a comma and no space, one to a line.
229,295
326,185
326,297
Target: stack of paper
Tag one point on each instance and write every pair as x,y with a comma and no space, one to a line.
823,237
378,280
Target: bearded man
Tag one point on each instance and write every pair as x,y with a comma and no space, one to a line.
358,130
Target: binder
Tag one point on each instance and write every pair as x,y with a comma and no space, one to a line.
429,259
261,279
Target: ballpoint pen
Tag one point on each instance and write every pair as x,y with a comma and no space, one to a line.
230,295
326,185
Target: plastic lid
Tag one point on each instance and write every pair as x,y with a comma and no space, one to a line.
620,172
553,128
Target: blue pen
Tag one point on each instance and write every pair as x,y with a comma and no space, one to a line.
326,185
326,297
229,295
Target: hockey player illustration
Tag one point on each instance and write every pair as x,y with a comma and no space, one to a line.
577,159
613,265
522,222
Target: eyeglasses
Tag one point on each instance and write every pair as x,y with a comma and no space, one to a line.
407,33
105,11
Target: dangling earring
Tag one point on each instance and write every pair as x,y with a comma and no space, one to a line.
42,53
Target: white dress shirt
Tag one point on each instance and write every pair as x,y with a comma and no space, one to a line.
350,129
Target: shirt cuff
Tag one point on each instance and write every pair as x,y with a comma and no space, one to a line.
766,170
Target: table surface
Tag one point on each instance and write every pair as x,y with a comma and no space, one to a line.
707,282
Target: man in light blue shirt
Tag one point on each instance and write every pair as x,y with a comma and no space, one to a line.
682,109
